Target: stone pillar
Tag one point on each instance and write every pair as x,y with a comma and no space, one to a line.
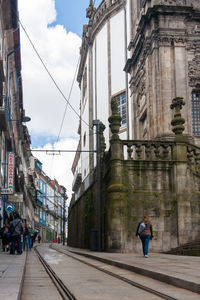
116,192
181,189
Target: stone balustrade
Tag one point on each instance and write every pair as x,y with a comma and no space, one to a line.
147,150
193,155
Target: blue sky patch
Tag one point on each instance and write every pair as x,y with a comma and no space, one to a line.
72,14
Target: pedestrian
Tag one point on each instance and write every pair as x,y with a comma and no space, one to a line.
26,239
145,232
31,235
34,236
5,239
1,234
16,231
39,238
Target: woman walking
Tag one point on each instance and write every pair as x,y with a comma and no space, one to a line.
145,232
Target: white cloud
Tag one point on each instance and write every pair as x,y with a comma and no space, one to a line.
59,50
59,166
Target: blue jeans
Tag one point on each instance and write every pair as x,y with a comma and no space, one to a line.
145,243
27,243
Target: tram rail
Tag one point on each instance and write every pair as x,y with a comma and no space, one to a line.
61,287
128,281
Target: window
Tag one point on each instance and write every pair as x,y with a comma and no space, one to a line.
121,100
84,88
84,139
195,98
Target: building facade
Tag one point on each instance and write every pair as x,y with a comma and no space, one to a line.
15,181
49,201
24,187
143,54
161,38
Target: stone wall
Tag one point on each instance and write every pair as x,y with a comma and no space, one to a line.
159,178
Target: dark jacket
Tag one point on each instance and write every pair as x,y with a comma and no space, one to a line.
18,227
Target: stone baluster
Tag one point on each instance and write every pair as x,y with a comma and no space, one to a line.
138,151
197,158
165,151
130,150
190,155
157,151
148,151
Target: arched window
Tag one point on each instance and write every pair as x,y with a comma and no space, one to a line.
195,98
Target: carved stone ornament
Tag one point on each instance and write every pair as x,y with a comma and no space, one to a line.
194,71
114,120
177,122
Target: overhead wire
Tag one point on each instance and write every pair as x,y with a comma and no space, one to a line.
49,73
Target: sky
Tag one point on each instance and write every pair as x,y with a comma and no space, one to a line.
55,29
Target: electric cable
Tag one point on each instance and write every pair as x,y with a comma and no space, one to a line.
49,73
70,92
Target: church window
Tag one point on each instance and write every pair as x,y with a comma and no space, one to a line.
195,97
121,100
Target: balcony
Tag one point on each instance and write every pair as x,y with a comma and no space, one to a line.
77,181
38,202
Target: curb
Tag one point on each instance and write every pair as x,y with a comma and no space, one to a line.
187,285
22,279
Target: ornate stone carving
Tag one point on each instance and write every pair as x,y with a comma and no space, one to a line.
114,120
177,122
194,71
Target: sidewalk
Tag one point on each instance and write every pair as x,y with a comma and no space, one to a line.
180,271
12,269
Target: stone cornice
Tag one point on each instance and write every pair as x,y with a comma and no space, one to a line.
158,34
97,19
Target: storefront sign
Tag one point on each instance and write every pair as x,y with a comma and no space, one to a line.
10,172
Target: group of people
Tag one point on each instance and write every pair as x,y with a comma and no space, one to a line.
17,236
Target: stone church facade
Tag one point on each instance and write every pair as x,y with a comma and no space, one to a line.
151,165
164,64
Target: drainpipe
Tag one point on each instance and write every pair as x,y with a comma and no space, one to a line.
126,74
4,181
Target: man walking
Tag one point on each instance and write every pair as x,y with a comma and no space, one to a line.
17,230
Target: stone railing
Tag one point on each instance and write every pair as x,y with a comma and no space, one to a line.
147,150
193,155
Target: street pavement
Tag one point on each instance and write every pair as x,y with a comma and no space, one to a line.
12,268
181,271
